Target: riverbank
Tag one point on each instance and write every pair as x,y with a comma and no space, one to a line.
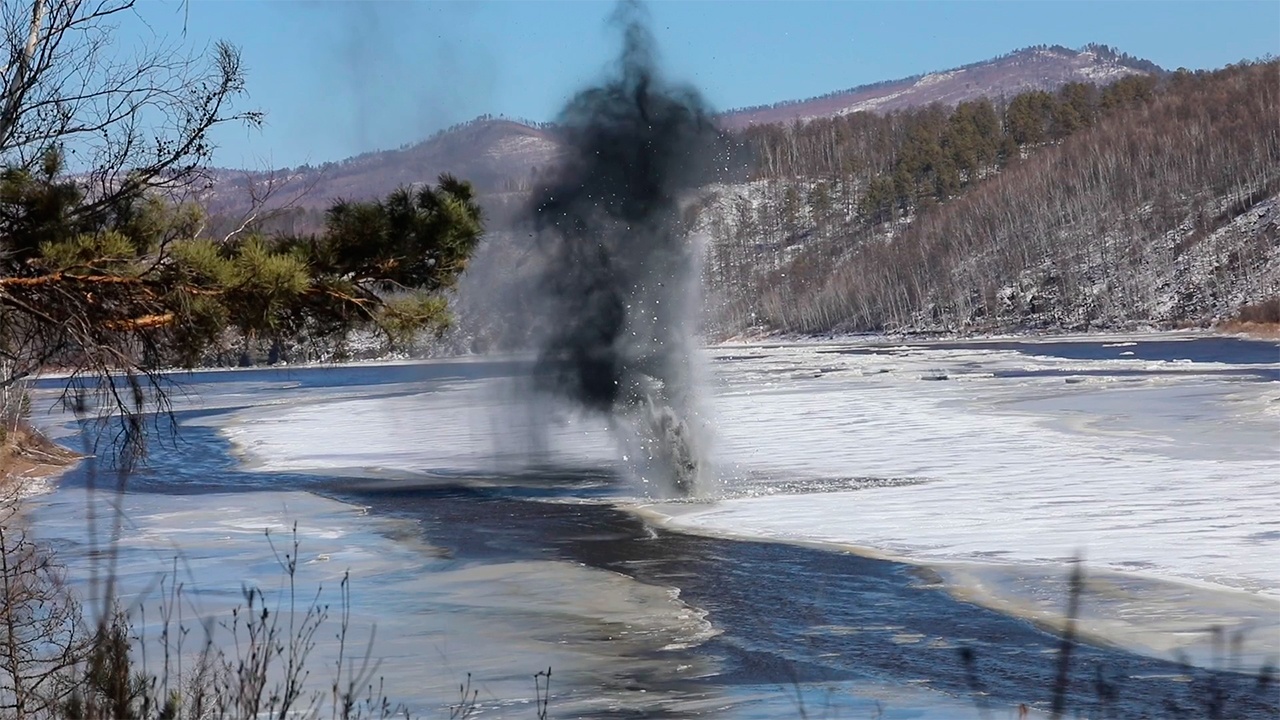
1245,330
1251,330
29,461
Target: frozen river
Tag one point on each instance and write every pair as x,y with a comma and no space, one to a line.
878,507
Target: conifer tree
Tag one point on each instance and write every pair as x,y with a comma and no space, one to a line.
106,268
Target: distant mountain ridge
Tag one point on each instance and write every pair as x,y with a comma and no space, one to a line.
504,155
1039,67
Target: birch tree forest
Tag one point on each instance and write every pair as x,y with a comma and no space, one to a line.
1150,200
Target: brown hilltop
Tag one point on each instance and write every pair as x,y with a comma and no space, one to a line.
496,155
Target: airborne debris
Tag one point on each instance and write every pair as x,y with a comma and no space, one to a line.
621,271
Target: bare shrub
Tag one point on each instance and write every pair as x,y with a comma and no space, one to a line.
56,666
42,638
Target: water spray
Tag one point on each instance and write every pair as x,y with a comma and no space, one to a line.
620,269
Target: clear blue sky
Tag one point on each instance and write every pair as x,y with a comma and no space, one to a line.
338,78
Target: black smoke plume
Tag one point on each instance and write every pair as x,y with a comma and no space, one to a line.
620,268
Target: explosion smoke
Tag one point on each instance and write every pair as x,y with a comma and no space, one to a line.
619,266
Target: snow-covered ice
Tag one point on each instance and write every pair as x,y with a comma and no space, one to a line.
1168,477
1006,466
1148,475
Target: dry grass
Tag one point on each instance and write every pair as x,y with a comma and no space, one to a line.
1259,331
1258,320
27,455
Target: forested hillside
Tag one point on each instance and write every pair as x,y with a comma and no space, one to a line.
1143,201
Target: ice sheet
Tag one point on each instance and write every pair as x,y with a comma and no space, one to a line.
428,620
463,427
1159,478
1157,470
1026,469
1170,476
